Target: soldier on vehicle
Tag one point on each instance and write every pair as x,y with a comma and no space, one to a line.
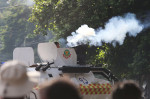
57,44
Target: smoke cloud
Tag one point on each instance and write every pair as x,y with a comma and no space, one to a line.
115,31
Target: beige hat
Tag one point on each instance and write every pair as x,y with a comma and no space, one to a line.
14,80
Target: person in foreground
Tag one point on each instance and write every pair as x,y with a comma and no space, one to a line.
60,88
126,90
15,82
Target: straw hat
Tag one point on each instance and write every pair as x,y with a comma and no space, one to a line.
14,80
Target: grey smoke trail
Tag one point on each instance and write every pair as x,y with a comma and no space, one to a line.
30,2
62,42
26,2
115,30
147,20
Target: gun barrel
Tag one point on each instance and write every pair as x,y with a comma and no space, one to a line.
84,69
47,66
69,69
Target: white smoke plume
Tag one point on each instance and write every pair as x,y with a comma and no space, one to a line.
115,31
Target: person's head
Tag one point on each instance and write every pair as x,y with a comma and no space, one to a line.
126,90
59,89
57,44
15,83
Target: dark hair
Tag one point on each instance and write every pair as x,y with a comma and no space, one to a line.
56,43
60,89
126,90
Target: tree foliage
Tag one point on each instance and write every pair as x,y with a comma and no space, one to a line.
65,16
15,29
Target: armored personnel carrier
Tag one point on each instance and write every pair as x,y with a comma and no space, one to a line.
94,82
